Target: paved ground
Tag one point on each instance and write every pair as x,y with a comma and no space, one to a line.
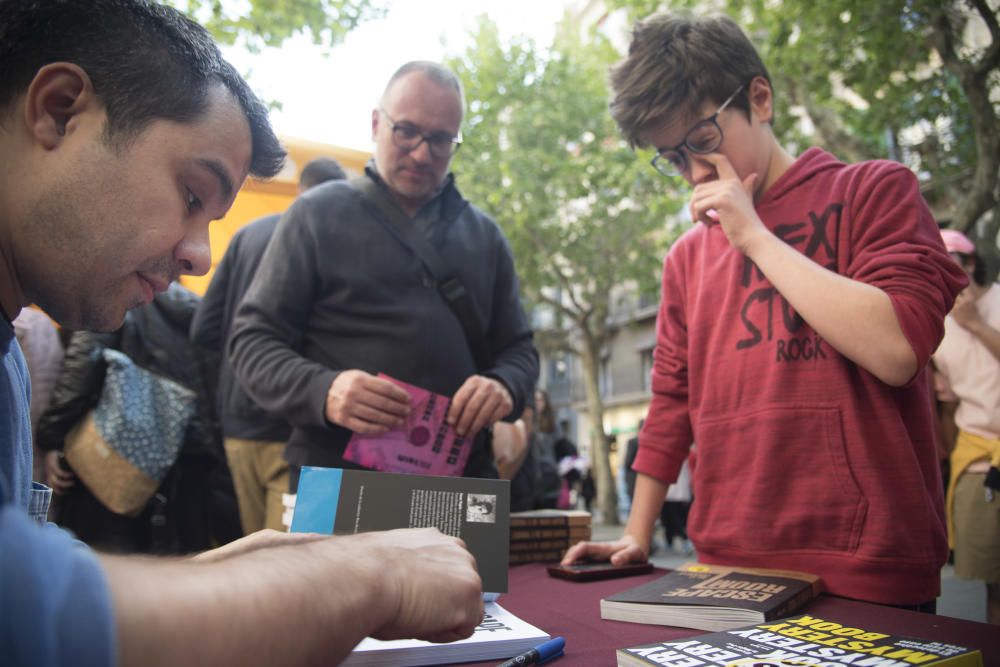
959,598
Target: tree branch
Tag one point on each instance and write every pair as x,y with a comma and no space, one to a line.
991,57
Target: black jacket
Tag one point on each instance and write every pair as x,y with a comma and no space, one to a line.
213,321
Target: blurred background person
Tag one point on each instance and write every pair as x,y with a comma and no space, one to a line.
542,439
254,439
39,339
967,364
194,507
515,461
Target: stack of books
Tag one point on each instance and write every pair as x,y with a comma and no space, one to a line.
546,535
803,640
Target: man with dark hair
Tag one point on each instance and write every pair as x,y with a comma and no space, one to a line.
967,366
796,321
105,198
254,438
320,170
344,293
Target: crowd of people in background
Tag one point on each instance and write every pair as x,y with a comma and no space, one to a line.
395,272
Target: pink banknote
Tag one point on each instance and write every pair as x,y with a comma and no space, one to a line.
425,444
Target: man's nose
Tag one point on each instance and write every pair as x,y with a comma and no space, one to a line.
422,153
193,253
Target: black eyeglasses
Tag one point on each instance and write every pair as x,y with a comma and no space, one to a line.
705,137
408,137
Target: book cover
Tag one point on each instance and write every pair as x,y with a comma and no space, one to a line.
501,635
424,445
803,640
574,534
537,556
713,597
344,502
540,545
549,518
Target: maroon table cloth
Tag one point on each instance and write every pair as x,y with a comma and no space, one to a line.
572,610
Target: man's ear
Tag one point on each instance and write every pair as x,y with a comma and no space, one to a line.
374,122
56,97
761,99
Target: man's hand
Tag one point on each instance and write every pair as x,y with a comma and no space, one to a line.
432,580
478,403
60,480
624,550
728,201
365,403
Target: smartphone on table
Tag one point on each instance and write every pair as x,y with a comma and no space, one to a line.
589,571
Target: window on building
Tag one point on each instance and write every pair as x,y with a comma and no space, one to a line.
646,364
604,383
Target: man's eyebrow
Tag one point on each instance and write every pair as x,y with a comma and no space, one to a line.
225,182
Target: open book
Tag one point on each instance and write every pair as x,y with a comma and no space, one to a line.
713,597
501,635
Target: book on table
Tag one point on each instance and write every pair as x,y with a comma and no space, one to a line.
549,518
545,535
501,635
343,502
802,640
713,597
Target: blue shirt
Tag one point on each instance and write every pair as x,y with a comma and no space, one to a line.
55,607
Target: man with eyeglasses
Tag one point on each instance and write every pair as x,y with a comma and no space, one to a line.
341,294
797,318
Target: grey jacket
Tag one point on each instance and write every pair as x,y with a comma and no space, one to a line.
336,290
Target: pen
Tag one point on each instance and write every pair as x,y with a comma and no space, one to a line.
550,650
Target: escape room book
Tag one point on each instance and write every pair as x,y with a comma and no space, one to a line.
803,640
713,597
344,502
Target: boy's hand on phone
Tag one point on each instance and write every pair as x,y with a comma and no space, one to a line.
626,549
598,571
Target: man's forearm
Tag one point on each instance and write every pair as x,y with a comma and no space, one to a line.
273,606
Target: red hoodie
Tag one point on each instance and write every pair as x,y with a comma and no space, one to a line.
804,460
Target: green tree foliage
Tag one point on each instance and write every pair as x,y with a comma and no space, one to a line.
259,23
903,79
584,215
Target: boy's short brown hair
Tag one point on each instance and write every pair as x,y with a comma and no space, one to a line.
677,62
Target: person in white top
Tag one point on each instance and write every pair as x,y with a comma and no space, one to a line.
967,365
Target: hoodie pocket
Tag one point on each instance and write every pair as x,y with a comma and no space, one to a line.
776,478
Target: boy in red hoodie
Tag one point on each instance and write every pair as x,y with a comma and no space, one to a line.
793,334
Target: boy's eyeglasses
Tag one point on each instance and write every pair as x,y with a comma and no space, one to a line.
705,137
408,137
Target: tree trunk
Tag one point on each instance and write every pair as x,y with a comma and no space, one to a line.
607,495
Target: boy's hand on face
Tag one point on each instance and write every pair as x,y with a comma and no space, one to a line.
728,201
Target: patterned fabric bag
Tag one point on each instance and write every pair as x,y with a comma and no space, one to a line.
124,447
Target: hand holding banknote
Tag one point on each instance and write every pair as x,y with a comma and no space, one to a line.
365,403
